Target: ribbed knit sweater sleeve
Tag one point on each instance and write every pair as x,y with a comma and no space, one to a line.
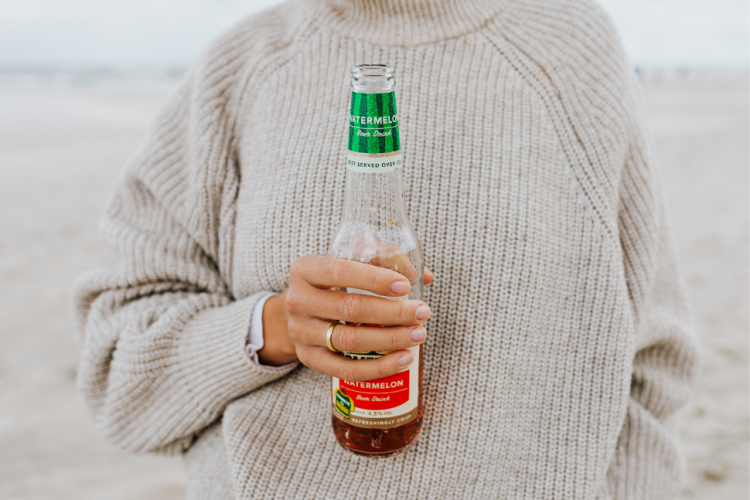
647,462
162,336
570,49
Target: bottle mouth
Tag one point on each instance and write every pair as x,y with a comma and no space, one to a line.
373,70
373,78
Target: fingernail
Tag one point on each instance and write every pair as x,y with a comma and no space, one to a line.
405,359
400,287
418,334
423,312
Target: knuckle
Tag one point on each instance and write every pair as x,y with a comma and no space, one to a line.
395,338
292,301
373,275
333,270
351,307
349,372
382,368
405,312
347,338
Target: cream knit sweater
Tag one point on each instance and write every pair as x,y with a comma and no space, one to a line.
560,345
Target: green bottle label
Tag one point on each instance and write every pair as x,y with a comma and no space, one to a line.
373,133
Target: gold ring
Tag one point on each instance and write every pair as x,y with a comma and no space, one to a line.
329,333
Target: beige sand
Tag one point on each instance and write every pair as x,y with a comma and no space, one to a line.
59,155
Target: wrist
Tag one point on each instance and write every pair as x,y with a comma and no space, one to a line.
278,348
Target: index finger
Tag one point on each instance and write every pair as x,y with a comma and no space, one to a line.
333,272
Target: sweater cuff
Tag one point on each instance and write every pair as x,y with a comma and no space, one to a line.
212,358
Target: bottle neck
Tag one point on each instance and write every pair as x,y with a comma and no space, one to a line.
376,198
374,191
376,229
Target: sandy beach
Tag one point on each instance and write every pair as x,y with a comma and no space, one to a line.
60,151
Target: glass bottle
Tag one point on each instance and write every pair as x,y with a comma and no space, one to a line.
379,417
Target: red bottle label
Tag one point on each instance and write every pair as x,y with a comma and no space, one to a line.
381,394
381,403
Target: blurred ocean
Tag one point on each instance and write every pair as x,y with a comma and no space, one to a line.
52,79
89,43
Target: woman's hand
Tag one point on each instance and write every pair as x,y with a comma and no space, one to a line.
295,321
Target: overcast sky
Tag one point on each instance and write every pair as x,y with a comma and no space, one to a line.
128,33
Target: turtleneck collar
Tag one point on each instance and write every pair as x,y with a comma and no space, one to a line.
403,22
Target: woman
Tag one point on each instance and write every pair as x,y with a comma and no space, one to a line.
559,343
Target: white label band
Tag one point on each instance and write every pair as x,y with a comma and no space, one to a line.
373,164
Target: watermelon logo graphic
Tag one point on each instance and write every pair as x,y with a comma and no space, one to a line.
344,404
373,123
